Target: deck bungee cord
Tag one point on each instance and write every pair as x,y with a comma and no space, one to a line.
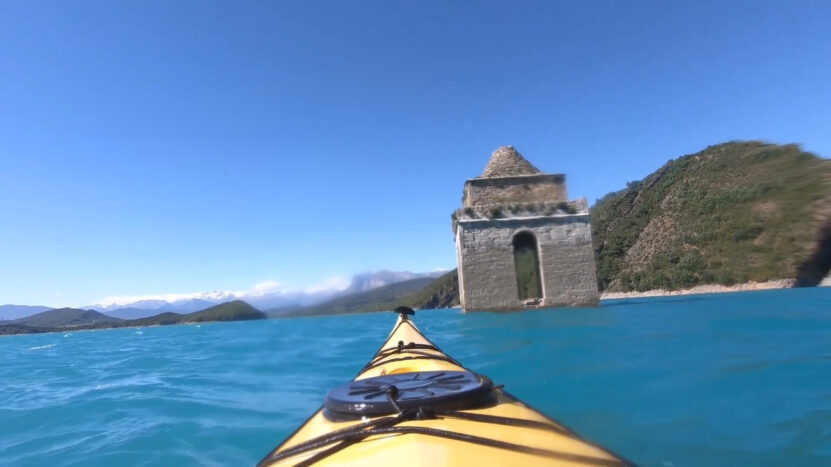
409,348
387,425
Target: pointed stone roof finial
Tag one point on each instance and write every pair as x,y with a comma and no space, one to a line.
507,162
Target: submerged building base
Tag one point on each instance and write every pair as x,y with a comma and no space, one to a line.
520,244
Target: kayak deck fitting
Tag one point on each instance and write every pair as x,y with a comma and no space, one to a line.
414,405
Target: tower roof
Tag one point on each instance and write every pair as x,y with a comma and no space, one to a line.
507,162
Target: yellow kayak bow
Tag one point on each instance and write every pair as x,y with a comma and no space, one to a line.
414,405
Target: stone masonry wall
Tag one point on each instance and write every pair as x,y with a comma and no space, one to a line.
520,189
487,275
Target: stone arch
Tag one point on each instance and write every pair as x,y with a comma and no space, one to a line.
527,266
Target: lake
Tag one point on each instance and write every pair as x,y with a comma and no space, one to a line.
723,379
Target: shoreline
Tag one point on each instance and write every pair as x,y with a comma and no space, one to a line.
703,289
83,327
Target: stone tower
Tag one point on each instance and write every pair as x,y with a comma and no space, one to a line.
520,243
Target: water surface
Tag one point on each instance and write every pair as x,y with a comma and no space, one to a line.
727,379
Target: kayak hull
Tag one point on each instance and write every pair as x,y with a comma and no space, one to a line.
522,436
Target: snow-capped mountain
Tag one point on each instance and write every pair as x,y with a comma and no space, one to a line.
171,302
142,304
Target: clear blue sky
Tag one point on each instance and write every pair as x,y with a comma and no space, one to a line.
179,146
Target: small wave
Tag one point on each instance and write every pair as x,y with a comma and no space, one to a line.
67,335
130,382
40,347
139,332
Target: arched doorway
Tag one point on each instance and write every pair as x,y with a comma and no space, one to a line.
527,263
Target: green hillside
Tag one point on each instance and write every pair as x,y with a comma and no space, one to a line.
162,319
381,298
237,310
732,213
66,317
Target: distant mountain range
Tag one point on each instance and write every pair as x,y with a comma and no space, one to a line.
133,313
146,308
186,305
11,312
74,319
363,295
270,301
420,292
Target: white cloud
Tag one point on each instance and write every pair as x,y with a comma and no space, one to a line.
167,297
264,288
331,283
261,289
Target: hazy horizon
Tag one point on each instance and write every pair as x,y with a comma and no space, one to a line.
258,291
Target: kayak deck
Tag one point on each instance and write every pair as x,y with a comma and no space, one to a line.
504,432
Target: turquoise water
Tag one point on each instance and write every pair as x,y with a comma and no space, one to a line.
733,379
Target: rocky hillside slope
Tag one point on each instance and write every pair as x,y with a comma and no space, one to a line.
441,293
421,293
732,213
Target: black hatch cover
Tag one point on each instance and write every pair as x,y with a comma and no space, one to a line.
434,389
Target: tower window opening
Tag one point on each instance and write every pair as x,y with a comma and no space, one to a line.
527,263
